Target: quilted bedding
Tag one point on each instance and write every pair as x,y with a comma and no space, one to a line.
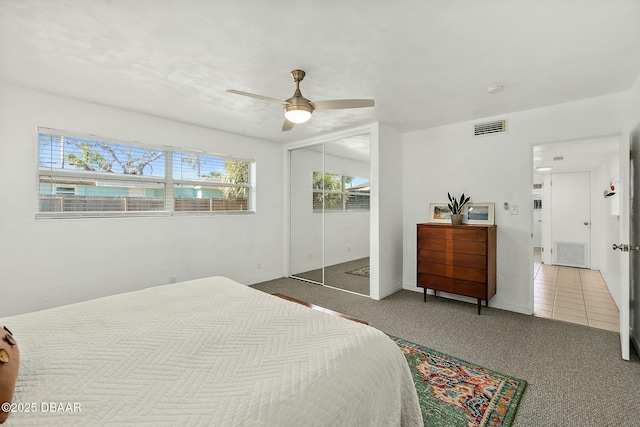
206,352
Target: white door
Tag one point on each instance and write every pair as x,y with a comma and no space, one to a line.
634,247
571,219
629,263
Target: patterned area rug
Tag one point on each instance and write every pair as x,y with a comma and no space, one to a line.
453,392
363,271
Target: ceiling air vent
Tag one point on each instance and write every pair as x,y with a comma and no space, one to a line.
489,127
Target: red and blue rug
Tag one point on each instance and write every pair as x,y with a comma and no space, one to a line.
453,392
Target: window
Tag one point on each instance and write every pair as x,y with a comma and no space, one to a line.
340,193
81,176
70,189
205,183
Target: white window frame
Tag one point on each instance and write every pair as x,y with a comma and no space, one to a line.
207,183
70,187
167,180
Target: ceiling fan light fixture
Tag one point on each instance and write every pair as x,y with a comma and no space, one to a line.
297,113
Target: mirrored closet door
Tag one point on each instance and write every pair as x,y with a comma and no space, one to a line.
306,224
329,194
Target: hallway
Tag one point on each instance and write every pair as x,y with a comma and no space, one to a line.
574,295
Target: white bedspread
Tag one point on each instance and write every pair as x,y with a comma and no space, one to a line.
207,352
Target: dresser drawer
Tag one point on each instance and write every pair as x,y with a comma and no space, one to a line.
453,258
475,234
455,272
457,246
441,232
460,287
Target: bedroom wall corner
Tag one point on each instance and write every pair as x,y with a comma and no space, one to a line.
53,262
386,220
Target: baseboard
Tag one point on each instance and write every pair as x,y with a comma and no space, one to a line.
499,306
265,279
390,292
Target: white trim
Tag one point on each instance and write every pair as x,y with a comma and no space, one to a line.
99,214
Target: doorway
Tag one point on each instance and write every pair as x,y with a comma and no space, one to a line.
329,212
573,221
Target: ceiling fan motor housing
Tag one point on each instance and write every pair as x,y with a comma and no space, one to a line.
298,103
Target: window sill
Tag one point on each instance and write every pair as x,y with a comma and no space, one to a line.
93,215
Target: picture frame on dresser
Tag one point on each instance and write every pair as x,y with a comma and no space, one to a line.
439,212
480,213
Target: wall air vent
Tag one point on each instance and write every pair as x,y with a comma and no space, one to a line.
571,254
487,128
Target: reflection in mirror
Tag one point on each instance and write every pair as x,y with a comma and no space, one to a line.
306,224
345,191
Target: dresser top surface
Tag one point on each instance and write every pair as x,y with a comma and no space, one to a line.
443,224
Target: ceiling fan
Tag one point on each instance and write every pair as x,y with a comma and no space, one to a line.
298,109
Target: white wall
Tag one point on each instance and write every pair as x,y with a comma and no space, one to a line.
386,220
46,263
547,244
346,234
610,268
537,215
496,168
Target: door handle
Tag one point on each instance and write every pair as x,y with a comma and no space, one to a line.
626,248
586,223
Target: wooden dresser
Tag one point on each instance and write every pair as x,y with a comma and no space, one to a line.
459,259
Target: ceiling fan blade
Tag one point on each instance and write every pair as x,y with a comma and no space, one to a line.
338,104
253,95
287,125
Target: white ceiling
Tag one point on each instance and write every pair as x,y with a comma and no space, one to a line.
355,147
576,155
426,63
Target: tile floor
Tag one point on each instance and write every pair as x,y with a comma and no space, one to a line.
574,295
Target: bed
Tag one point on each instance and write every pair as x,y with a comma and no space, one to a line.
206,352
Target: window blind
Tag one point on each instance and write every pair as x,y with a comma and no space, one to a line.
88,176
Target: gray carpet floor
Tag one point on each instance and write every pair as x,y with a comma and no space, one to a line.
575,374
336,276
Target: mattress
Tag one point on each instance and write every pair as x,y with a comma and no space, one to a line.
206,352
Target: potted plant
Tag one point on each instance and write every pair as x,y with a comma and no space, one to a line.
456,207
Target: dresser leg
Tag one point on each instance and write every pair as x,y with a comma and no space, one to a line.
479,305
425,294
